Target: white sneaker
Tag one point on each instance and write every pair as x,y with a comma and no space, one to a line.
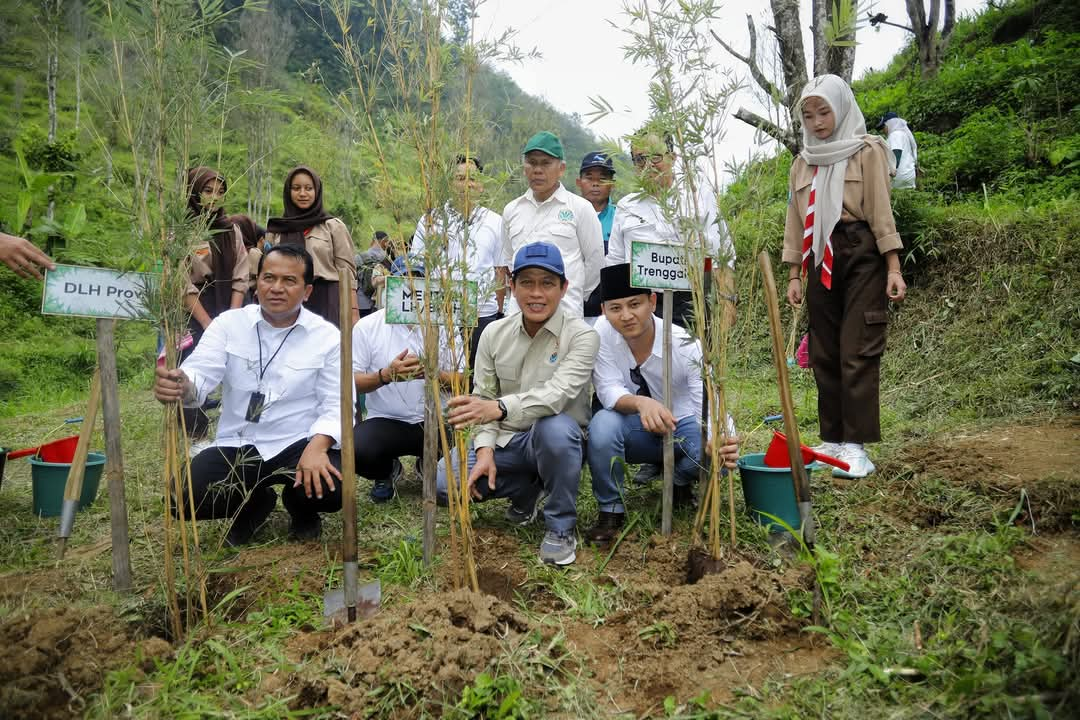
855,456
829,448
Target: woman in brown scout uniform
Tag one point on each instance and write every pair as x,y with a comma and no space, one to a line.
325,237
217,269
840,230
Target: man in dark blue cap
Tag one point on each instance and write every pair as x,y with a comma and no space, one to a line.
595,181
530,404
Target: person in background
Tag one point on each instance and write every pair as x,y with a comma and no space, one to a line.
596,178
388,370
840,231
217,272
640,216
548,212
253,235
628,378
325,237
23,257
372,264
468,237
278,367
904,149
530,405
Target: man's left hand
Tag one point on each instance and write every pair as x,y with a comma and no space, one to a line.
466,410
729,452
314,471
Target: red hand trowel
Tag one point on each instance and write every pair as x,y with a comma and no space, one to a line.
777,454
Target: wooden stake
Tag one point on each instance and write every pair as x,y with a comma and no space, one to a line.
73,488
114,459
669,438
348,459
431,445
791,427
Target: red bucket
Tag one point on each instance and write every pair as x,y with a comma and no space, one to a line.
56,451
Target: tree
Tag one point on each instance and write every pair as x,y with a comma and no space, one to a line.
924,26
833,25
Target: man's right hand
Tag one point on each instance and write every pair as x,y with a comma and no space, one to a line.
655,418
485,466
171,386
406,366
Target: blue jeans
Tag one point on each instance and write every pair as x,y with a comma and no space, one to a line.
551,449
616,439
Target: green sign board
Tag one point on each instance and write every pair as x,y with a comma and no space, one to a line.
97,292
656,266
406,298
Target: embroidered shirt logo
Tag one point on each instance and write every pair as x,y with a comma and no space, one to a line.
554,357
566,215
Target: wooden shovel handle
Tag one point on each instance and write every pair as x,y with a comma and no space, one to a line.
348,461
73,488
791,428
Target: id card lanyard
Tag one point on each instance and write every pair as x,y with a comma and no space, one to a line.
264,368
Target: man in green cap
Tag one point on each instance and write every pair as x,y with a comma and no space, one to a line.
550,213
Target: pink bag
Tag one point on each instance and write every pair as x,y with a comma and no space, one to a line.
184,344
802,355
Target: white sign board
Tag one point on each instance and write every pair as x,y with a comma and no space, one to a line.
658,267
97,292
406,298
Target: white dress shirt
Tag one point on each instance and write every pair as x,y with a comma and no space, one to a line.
611,375
375,345
640,217
301,385
476,261
568,222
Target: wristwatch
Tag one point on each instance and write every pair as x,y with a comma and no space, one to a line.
502,410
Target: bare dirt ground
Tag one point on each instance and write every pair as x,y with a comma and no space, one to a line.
725,634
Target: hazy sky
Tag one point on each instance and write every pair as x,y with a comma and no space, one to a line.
581,43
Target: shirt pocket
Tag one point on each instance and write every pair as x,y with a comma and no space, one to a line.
509,376
638,231
299,374
242,367
875,326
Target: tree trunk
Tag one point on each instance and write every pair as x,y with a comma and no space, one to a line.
817,30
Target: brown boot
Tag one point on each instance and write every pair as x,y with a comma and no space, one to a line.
606,528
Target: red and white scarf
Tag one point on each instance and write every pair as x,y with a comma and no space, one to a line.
808,239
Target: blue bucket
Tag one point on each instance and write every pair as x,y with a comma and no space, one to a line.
769,490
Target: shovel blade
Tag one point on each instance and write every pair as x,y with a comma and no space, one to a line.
368,599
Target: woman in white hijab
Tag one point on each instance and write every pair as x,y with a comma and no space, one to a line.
840,232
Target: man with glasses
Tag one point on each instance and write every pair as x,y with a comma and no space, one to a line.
641,216
628,377
550,213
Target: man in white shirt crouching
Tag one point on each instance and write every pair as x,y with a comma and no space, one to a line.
628,377
278,365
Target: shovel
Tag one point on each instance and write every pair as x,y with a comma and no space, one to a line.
346,602
73,489
777,454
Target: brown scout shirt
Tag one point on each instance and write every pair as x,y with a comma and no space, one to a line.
331,248
866,197
201,272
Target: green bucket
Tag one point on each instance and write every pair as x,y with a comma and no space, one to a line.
769,490
49,479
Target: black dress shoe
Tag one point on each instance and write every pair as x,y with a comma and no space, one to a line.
607,527
305,529
251,517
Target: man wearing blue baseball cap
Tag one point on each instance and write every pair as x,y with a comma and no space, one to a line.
595,180
550,213
387,368
530,404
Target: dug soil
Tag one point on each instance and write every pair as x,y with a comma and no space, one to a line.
1035,469
724,634
53,660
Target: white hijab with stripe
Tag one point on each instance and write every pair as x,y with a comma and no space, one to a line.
831,155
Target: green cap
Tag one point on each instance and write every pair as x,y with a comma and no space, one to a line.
545,142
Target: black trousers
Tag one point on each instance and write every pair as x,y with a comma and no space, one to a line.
196,421
227,481
379,441
474,343
847,336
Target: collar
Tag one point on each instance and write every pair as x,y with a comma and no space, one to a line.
558,196
554,324
454,215
305,320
